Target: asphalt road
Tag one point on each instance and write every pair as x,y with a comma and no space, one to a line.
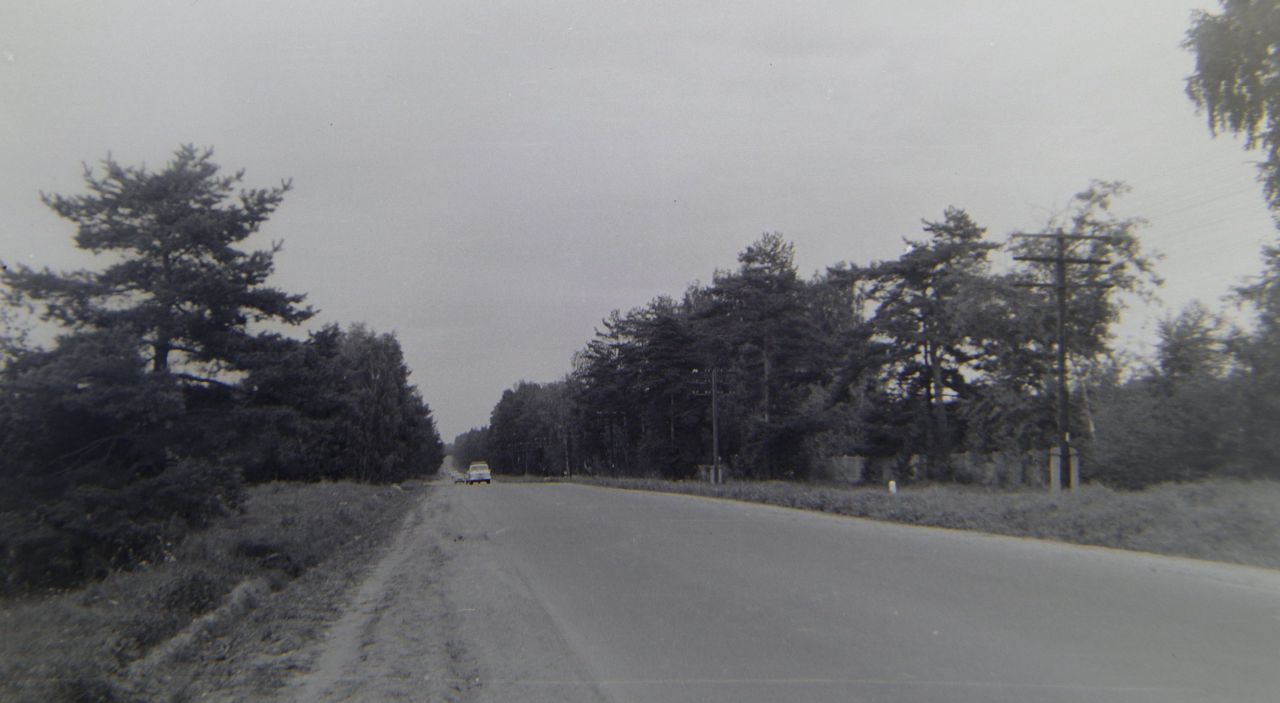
656,597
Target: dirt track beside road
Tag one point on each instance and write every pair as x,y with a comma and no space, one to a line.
441,617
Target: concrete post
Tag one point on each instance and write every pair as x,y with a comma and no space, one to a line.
1055,470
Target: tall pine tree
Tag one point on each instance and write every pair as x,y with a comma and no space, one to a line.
177,279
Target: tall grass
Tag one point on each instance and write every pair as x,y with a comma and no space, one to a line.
1220,520
76,645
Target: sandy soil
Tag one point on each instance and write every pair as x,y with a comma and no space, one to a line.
441,618
392,642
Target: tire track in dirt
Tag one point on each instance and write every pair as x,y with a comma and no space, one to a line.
395,640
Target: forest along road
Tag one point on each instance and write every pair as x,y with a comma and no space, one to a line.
554,592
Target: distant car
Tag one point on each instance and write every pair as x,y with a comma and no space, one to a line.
478,472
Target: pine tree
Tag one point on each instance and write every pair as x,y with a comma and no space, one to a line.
177,279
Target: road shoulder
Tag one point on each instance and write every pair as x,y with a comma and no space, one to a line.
514,648
443,616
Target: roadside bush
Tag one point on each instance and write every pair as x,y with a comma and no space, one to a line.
82,645
93,528
94,479
1151,432
193,591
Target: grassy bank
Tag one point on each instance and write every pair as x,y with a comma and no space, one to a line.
104,642
1230,521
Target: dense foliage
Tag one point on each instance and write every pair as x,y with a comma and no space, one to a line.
338,405
1237,78
160,397
472,445
918,368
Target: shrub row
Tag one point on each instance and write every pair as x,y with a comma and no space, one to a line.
1221,520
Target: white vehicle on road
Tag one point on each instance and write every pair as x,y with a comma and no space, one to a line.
478,472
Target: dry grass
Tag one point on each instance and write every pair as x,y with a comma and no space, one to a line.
1220,520
79,645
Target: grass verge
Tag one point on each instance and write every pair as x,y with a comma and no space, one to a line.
1219,520
150,633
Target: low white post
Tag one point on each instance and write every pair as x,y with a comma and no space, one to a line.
1055,470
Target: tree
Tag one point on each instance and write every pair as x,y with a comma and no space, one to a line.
14,334
290,421
116,438
529,429
1256,377
1175,422
92,478
674,403
1013,330
642,390
472,445
1191,345
336,406
85,410
624,381
389,431
920,302
763,327
637,386
1096,234
177,281
130,430
1103,259
1237,83
1237,78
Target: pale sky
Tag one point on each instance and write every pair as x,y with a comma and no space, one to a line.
489,179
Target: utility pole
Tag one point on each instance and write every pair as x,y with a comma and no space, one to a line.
715,426
609,416
716,476
564,440
1060,261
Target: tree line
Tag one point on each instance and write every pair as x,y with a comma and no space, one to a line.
911,361
171,385
918,359
928,354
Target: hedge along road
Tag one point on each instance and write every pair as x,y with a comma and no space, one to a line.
564,592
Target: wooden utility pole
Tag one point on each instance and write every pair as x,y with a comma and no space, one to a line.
716,476
1060,261
715,426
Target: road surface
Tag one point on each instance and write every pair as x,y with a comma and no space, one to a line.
553,592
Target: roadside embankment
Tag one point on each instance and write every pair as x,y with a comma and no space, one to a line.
1219,520
226,613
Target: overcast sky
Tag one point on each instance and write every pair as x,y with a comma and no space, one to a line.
489,179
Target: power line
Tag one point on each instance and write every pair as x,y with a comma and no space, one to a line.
1061,261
